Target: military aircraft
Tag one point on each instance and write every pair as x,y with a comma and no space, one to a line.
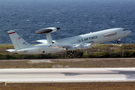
67,44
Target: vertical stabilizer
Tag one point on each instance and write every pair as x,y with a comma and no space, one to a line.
18,42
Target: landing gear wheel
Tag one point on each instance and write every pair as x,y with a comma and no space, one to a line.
74,52
68,52
71,52
118,42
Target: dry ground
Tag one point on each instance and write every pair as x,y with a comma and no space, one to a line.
70,86
69,63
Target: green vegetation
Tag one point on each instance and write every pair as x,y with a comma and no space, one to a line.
97,51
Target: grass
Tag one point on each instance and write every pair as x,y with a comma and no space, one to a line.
97,51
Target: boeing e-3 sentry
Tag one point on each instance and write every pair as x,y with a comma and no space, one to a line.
67,44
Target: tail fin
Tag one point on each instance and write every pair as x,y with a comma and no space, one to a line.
18,42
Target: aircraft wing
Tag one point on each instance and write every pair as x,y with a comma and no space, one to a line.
10,50
74,46
44,41
61,46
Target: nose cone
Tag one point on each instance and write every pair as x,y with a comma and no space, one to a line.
129,32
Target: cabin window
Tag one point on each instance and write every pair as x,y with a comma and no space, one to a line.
110,34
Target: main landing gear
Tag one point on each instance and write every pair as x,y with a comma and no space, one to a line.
118,41
71,52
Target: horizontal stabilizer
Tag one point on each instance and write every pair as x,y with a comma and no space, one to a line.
11,50
16,51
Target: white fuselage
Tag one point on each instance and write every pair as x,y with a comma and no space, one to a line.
95,37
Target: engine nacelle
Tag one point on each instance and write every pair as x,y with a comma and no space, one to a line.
47,30
80,46
86,45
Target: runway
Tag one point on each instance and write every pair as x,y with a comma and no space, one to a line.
67,75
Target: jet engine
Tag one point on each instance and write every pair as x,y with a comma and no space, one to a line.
47,30
80,46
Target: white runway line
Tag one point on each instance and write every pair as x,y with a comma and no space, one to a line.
67,75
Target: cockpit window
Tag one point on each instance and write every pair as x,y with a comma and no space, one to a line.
125,29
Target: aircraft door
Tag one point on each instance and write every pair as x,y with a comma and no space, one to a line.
42,51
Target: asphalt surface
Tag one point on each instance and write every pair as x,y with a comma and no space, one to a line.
67,75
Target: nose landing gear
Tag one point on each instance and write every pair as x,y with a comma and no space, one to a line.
118,41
